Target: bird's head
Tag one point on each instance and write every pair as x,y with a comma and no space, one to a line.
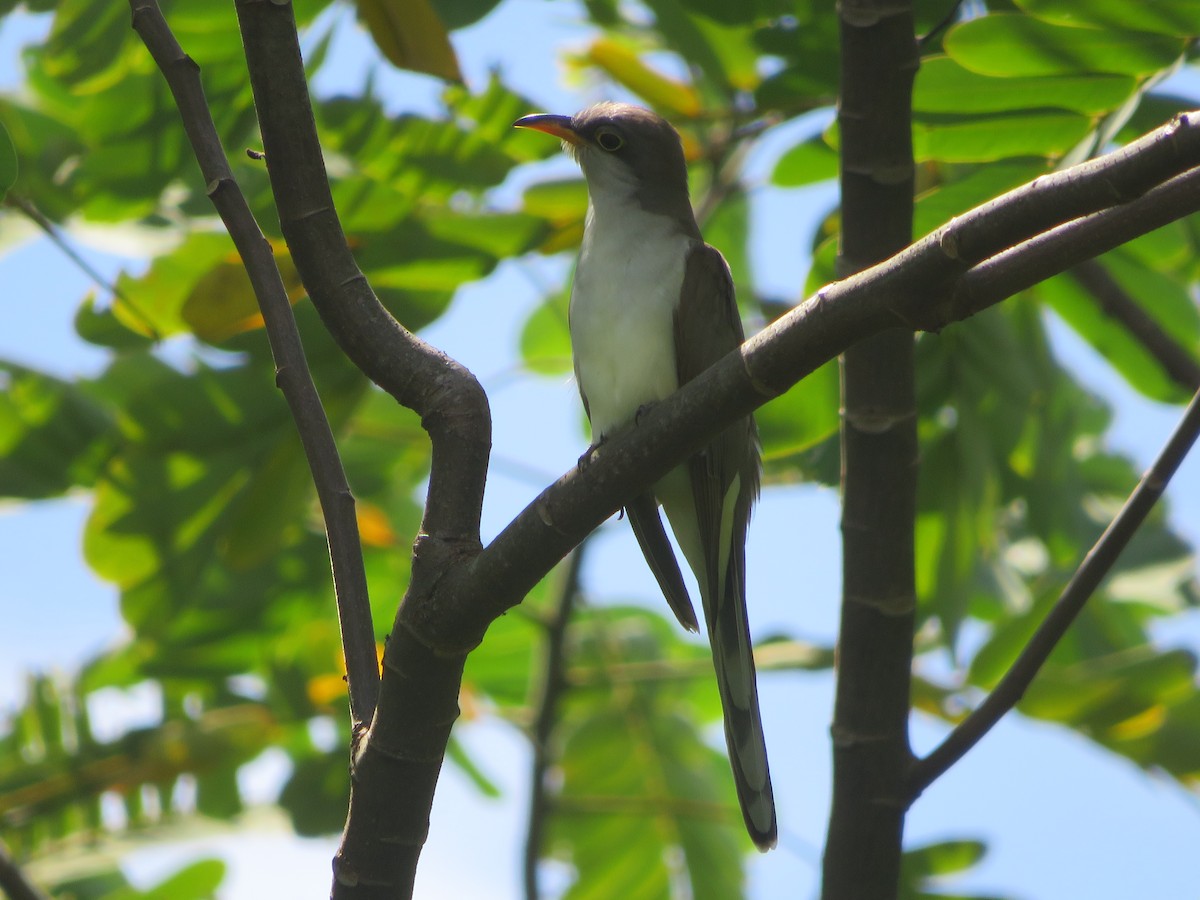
627,153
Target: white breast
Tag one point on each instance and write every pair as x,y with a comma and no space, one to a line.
622,305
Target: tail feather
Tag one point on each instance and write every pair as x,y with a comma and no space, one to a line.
733,659
652,538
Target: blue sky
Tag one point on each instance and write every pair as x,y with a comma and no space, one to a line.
1062,818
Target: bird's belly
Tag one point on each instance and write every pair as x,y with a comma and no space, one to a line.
623,333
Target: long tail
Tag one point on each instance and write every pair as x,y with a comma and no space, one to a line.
709,515
733,659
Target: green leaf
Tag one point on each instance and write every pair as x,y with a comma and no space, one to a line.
942,858
728,229
8,162
1174,17
967,189
944,86
725,54
1007,45
53,435
411,36
743,13
315,796
456,754
460,13
970,139
501,667
101,327
546,338
197,881
806,163
1167,302
801,418
624,66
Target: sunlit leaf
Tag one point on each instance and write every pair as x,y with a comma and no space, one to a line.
983,139
1014,45
945,86
805,163
546,338
197,881
1173,17
623,66
807,414
222,302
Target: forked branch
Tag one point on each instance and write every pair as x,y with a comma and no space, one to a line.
291,366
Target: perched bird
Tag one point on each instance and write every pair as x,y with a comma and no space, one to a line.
652,306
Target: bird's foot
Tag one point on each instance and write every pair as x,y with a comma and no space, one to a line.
589,454
642,410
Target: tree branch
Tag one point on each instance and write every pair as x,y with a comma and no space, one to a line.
554,685
291,368
1083,584
395,768
1175,359
871,752
13,881
54,233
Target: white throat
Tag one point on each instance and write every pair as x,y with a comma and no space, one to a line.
623,302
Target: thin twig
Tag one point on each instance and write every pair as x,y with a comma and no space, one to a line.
945,22
14,883
554,685
1179,364
1081,587
291,368
52,231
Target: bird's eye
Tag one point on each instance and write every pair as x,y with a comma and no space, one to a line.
609,140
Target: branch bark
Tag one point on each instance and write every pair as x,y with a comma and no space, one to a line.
291,367
871,754
395,766
13,881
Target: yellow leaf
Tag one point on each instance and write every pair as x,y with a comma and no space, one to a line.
1143,724
623,65
373,526
222,303
410,34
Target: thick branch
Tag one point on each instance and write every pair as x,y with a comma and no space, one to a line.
1083,584
13,881
291,368
871,752
451,403
396,764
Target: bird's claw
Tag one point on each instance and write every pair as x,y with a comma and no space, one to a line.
589,454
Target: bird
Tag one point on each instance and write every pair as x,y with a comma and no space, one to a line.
652,306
